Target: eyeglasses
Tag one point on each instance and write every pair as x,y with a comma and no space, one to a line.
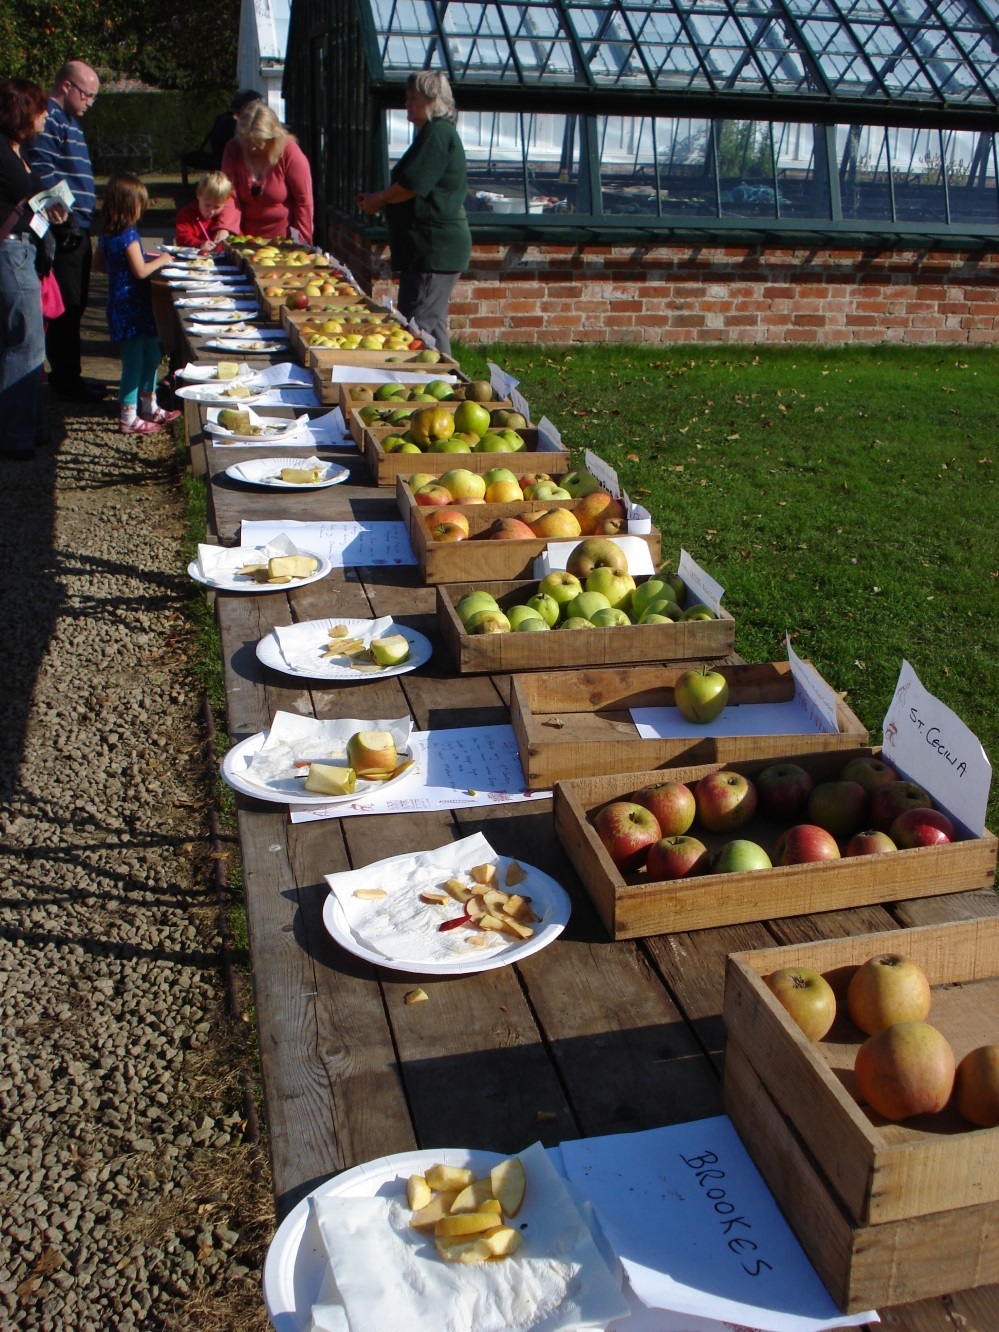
88,96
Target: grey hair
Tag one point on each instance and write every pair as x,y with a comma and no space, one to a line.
433,85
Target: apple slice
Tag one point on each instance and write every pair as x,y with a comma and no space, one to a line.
472,1198
452,1250
509,1184
427,1217
503,1241
418,1193
445,1178
470,1223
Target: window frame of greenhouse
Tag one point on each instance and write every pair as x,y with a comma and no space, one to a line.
810,134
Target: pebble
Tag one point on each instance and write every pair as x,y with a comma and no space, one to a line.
128,1200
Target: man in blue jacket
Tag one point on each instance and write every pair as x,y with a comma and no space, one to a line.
60,153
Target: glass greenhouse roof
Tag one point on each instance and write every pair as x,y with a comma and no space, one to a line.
942,53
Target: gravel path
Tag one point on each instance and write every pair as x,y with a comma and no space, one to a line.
127,1195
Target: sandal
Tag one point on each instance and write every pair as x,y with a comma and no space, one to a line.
160,416
138,426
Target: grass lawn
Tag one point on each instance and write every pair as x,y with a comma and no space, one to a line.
847,497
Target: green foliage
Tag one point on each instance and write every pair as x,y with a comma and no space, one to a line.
745,150
847,497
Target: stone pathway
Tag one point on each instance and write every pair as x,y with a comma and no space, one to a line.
127,1195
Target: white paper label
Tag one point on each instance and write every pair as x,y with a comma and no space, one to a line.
519,403
931,746
345,545
550,431
502,383
603,472
812,692
700,584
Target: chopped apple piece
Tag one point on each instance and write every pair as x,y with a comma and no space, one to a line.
503,1241
485,874
449,1178
456,889
515,874
475,909
512,926
463,1250
419,1194
495,897
509,1185
416,997
427,1217
370,894
434,898
476,940
472,1198
488,922
470,1223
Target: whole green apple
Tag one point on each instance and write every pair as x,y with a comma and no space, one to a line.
610,617
488,622
561,586
618,588
699,612
498,474
473,602
575,622
518,614
580,483
701,695
741,857
547,607
585,606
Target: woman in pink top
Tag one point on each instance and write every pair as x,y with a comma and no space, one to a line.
271,178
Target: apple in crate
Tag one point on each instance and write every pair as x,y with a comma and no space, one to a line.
445,515
872,773
673,805
509,529
503,492
488,621
472,602
441,531
839,807
701,695
653,589
586,605
561,586
808,998
598,507
615,586
921,827
976,1086
464,484
803,844
580,483
894,799
742,857
596,553
677,858
784,789
627,830
609,617
520,618
554,524
546,606
726,801
429,496
906,1069
886,990
869,843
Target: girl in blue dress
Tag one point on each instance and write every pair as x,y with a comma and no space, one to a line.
130,305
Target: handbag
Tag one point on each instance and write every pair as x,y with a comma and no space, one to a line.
45,251
52,302
68,234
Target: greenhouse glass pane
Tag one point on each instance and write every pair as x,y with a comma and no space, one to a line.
746,169
635,150
506,150
917,175
667,49
802,178
609,49
970,161
864,179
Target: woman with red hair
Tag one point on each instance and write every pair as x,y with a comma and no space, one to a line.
23,111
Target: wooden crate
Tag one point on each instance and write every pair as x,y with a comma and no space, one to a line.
313,356
357,427
386,467
695,640
477,558
348,403
888,1213
633,907
328,391
595,734
330,307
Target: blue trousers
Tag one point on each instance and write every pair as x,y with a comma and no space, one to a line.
22,347
140,359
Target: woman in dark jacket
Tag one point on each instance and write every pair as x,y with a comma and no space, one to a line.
425,207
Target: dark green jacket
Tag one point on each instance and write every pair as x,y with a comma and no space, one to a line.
429,234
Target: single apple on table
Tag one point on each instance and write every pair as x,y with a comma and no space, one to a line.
839,807
726,801
921,827
784,789
869,843
804,844
677,857
872,773
741,857
887,989
627,830
807,996
888,802
701,695
904,1070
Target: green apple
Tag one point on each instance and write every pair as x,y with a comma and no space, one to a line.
407,446
440,389
699,612
498,474
546,606
470,416
596,553
652,589
741,857
451,445
547,490
580,483
520,617
576,622
616,587
586,605
650,617
488,622
390,651
661,607
492,443
562,587
701,695
419,479
463,484
609,618
473,602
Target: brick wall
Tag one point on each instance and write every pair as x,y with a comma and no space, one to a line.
684,293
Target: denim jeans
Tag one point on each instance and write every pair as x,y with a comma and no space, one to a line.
22,346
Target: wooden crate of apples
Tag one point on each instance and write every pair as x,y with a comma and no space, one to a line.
863,1076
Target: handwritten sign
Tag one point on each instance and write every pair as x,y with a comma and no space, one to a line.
931,746
345,545
700,585
812,693
549,432
520,404
458,769
502,383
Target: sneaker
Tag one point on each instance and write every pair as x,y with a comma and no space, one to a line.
160,416
138,426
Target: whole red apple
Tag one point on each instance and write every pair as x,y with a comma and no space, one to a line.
976,1087
869,843
803,844
673,805
784,789
921,827
890,801
808,998
872,773
725,801
446,515
447,532
430,496
839,807
888,989
509,529
677,858
906,1069
627,831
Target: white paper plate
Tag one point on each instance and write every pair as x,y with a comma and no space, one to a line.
230,583
291,790
308,631
296,1263
198,319
212,394
203,374
265,472
282,431
247,345
549,900
202,303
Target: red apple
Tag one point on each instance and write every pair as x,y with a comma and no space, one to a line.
872,773
449,516
890,801
627,831
888,989
299,301
906,1069
673,805
596,553
700,695
725,801
921,827
870,843
784,789
803,844
808,998
976,1087
677,858
510,529
741,857
429,496
839,807
447,532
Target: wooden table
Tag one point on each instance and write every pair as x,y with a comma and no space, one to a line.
586,1037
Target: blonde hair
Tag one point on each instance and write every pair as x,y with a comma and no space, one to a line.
125,199
214,187
258,127
433,85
